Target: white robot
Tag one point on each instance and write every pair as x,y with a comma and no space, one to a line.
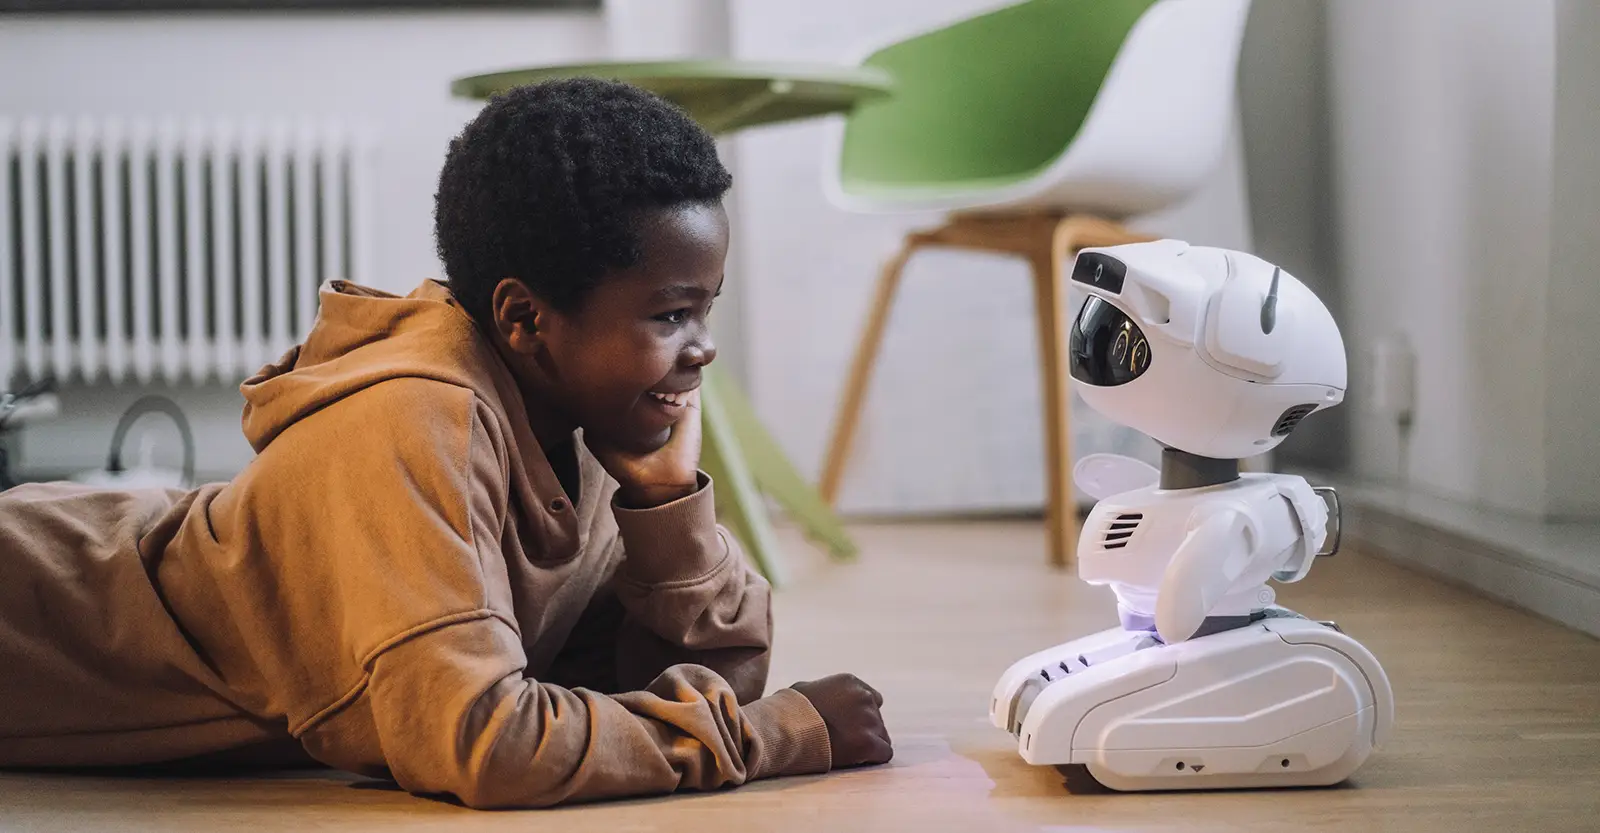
1217,355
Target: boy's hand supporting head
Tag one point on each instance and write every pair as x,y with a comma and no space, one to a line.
669,473
851,710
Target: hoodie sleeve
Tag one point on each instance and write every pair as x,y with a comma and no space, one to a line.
455,715
453,712
690,597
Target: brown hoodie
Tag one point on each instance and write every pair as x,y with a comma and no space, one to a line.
399,583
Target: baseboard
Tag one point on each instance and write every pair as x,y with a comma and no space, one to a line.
1548,568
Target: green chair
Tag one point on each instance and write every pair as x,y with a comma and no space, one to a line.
724,96
1040,128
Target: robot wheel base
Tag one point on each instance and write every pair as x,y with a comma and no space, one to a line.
1283,765
1285,702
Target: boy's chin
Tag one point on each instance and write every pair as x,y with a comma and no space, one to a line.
638,444
656,442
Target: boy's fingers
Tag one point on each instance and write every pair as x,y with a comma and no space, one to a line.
695,411
688,426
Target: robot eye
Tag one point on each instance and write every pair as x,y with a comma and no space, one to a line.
1119,346
1139,358
1107,347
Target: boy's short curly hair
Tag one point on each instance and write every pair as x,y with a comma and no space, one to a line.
546,185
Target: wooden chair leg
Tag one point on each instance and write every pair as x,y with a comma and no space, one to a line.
1048,243
1052,270
1061,514
866,357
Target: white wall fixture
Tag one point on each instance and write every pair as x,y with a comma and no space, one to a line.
179,250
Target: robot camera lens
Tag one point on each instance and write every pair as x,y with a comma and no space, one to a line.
1100,270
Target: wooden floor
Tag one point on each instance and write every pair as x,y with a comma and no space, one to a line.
1498,719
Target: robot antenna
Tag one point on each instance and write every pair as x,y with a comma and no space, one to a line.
1269,307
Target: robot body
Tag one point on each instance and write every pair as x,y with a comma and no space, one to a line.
1177,558
1206,682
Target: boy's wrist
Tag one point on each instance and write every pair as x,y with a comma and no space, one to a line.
653,495
673,542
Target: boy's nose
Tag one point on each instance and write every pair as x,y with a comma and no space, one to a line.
702,352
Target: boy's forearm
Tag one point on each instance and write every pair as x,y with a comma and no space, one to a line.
642,655
690,596
610,652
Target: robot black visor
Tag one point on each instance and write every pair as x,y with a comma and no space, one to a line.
1107,348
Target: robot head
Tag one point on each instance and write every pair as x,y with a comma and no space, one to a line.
1209,351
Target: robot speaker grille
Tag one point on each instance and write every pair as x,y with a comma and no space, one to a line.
1291,418
1120,530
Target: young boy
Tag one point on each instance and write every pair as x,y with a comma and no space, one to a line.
474,552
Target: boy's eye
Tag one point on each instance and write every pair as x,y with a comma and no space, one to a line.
677,316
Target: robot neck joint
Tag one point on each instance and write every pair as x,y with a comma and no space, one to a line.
1182,470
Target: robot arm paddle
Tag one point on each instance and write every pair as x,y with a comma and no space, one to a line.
1203,570
1102,475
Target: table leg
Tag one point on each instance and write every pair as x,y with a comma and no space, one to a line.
739,503
776,476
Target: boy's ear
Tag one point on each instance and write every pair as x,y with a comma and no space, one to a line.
519,315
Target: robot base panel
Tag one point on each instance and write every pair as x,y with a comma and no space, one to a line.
1279,703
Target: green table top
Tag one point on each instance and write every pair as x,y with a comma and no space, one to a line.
723,96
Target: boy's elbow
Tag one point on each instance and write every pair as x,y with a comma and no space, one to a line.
477,792
504,749
534,785
489,781
540,749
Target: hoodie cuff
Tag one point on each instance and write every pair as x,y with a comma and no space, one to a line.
793,738
677,542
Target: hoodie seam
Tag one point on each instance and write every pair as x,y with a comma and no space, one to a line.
355,691
678,584
482,611
473,425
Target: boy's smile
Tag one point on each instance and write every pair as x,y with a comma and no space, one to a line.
622,363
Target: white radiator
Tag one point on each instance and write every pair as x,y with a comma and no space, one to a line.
178,251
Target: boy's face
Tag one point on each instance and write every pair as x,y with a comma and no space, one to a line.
614,364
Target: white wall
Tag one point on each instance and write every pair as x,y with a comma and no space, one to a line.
391,71
1284,112
953,419
1572,410
1442,115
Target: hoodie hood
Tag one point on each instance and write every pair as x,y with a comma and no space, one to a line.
364,336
